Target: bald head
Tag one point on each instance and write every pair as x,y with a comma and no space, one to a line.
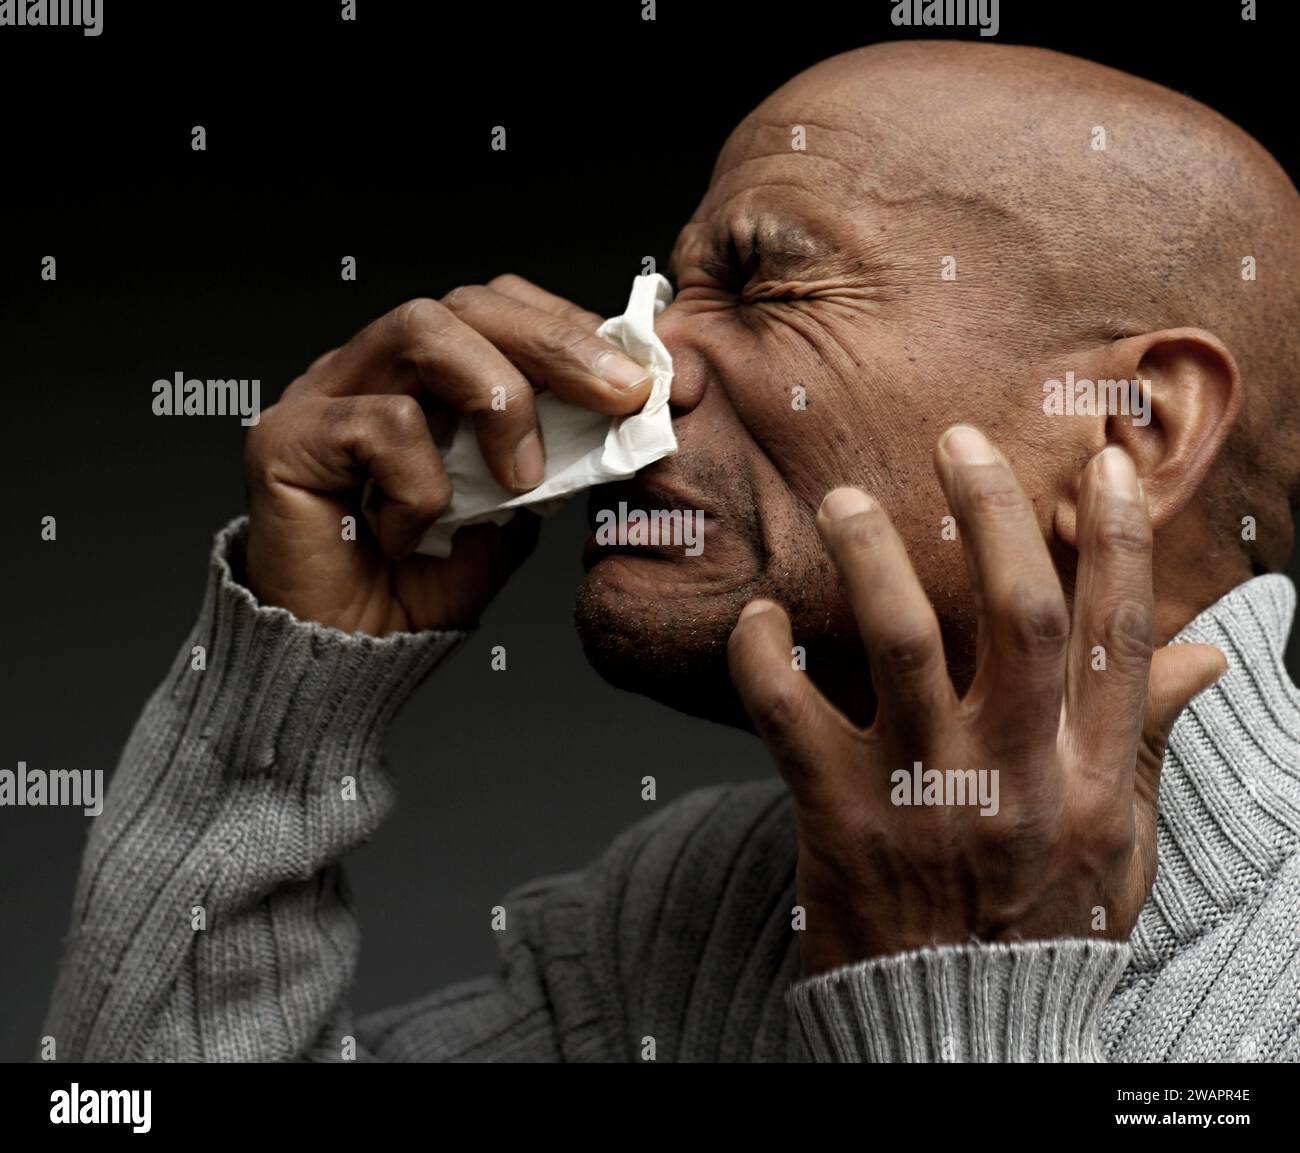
1119,206
918,234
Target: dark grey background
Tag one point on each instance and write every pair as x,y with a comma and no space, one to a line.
371,140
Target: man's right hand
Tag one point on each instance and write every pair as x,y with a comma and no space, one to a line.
363,411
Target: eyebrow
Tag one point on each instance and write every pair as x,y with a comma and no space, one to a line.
764,242
780,241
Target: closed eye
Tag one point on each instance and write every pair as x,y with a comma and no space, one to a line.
725,267
770,290
747,277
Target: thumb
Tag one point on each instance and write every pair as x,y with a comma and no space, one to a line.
1178,673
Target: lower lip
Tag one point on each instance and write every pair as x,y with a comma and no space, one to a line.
593,553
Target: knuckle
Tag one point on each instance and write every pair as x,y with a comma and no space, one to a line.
1128,632
1111,831
416,319
1124,537
507,281
435,500
259,446
402,417
910,650
321,361
559,337
260,435
342,414
265,445
1020,831
303,382
462,296
1038,620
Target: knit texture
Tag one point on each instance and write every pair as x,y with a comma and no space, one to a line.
243,786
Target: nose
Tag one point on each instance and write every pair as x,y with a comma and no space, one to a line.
690,368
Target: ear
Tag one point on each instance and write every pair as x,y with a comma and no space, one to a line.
1186,397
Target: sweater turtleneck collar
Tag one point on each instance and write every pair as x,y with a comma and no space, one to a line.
1230,787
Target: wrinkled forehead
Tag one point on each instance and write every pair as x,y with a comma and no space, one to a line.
808,173
879,147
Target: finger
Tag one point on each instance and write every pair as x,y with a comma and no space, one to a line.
553,352
309,381
424,346
1023,623
322,361
899,629
1178,674
526,292
1112,632
333,445
788,712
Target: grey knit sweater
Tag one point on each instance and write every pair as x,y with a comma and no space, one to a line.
231,794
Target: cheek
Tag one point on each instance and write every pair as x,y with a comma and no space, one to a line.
789,412
797,568
818,416
823,412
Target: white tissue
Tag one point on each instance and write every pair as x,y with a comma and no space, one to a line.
583,448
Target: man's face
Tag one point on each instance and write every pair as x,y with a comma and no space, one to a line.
819,338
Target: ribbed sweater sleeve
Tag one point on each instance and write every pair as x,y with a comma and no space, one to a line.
210,919
1029,1001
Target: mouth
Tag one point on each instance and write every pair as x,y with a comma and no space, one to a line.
642,519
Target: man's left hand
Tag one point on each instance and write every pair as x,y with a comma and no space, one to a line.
1076,747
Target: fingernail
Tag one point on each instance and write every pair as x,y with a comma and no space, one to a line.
530,465
754,608
842,502
619,371
1118,473
967,445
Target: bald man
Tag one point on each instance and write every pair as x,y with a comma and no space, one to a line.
942,597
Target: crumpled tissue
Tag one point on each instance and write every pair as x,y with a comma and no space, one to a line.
583,448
